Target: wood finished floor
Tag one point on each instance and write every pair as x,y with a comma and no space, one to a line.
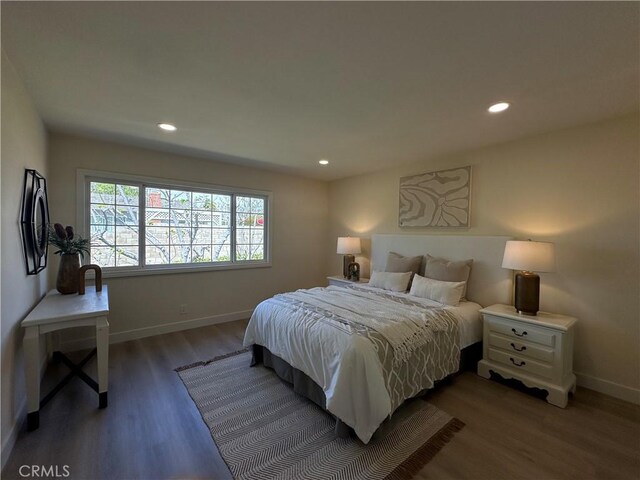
152,430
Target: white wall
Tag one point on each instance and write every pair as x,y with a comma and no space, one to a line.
24,145
299,224
578,188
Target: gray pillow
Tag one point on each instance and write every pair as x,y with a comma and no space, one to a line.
401,264
447,271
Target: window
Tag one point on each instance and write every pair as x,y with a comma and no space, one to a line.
146,226
114,224
187,227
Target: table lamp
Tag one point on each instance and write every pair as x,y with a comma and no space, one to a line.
348,246
528,257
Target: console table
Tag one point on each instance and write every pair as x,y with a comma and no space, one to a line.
57,312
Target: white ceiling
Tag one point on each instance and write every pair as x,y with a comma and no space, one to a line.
365,85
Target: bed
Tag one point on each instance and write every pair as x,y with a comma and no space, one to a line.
360,352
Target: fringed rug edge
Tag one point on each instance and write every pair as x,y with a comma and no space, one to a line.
423,455
207,362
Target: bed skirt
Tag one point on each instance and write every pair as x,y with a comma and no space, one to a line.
303,385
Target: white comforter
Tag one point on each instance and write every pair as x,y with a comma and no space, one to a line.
345,365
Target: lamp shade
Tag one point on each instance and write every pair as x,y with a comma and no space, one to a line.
348,245
529,256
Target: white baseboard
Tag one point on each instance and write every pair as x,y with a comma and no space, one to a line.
612,389
118,337
10,441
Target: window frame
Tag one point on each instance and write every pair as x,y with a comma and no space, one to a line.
83,212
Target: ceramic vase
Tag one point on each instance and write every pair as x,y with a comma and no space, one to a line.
67,280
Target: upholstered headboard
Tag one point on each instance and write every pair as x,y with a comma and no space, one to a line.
489,283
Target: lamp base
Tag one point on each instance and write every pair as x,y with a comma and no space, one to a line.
346,260
527,298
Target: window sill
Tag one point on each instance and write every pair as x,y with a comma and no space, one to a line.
168,270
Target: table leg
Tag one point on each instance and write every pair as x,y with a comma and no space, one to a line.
53,347
102,344
31,344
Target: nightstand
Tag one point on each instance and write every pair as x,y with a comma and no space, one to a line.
535,350
342,282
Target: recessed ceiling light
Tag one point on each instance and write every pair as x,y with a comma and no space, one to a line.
323,162
167,126
498,107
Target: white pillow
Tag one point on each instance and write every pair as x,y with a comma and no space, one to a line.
448,293
396,282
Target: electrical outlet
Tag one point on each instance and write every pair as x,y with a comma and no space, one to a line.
183,309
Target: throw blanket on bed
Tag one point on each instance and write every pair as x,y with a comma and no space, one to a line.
368,349
406,325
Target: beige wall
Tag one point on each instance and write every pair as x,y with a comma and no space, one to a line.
23,146
299,225
578,188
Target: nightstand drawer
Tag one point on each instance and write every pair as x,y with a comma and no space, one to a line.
536,350
521,363
520,347
518,331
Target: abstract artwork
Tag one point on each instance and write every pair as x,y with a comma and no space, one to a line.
436,199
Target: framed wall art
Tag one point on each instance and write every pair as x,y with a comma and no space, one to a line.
436,199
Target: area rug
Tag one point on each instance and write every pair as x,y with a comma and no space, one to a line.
264,430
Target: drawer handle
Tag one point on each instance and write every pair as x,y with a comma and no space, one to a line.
518,349
521,364
515,332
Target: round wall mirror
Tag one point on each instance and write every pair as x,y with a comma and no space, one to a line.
38,223
35,222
